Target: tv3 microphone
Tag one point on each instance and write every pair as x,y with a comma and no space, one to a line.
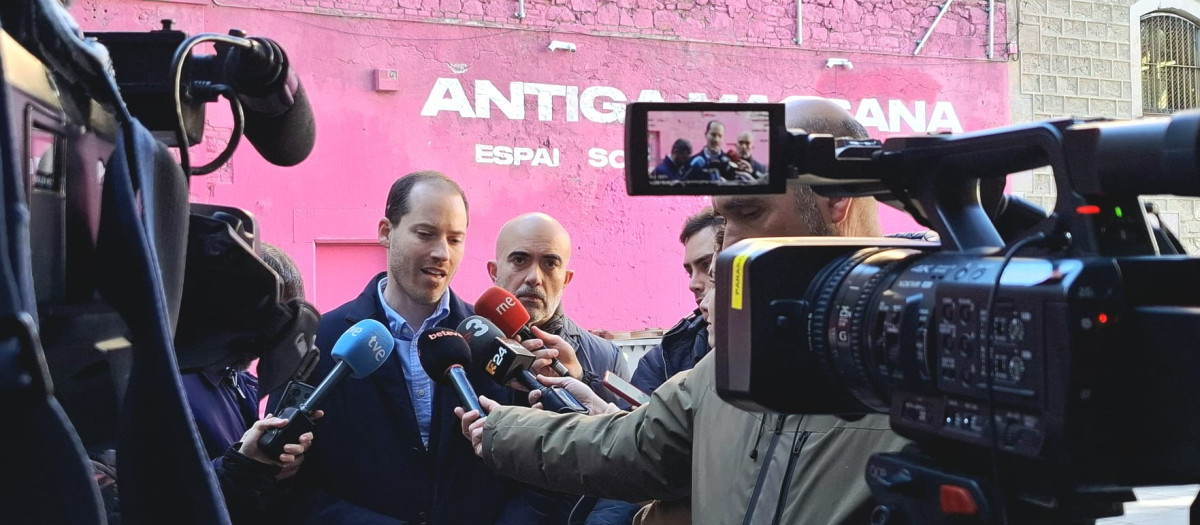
502,308
358,352
444,354
505,360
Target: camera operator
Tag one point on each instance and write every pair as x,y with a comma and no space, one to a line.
224,404
675,165
741,466
687,342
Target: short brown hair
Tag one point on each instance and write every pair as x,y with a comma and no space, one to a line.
706,218
398,197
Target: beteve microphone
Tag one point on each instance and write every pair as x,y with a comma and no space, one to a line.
443,354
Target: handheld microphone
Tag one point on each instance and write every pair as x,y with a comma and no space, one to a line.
443,354
358,352
504,361
279,119
502,307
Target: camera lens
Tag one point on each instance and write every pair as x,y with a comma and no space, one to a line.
849,320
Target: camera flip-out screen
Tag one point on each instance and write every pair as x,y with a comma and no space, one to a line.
704,148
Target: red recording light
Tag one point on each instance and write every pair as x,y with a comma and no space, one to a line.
1088,209
1103,318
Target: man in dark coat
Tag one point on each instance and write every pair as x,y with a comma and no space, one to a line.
675,165
532,256
687,342
389,450
533,253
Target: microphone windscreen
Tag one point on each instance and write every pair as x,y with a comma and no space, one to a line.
503,308
364,347
285,139
439,349
481,335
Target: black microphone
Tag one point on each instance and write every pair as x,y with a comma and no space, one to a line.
505,360
502,308
358,352
279,119
443,354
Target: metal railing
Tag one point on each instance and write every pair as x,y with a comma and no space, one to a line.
1170,69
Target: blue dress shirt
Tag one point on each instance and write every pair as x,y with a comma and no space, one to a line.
420,386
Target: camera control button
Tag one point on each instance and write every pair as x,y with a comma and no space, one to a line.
1016,369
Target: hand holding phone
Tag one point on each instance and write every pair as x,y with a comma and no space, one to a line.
615,384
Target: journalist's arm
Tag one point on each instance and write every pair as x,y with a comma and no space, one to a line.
639,455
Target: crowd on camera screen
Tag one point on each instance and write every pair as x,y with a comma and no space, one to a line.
715,162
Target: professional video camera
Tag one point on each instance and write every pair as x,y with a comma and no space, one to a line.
1043,363
111,282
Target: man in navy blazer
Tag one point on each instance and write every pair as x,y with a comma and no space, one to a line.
389,449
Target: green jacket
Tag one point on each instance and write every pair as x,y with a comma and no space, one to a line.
749,468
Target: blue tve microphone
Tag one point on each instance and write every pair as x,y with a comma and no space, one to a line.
358,352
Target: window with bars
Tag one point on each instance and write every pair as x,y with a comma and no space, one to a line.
1170,70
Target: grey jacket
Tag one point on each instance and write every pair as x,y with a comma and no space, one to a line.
797,469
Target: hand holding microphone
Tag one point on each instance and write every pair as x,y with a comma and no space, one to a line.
358,352
443,354
545,347
506,361
503,309
594,404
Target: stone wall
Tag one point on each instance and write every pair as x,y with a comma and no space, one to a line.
1074,60
886,26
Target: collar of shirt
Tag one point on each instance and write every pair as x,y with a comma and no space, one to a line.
400,326
420,386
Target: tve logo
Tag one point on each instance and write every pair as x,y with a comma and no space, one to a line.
376,348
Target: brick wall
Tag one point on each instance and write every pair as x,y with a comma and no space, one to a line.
1074,60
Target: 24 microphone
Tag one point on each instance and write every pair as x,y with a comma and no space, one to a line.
509,315
358,352
506,361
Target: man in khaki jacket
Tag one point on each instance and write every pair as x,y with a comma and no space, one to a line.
736,466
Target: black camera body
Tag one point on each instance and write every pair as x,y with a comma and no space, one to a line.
1051,355
1049,361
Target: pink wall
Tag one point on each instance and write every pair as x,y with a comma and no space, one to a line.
464,67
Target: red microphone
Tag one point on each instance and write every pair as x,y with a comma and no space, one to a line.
503,309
